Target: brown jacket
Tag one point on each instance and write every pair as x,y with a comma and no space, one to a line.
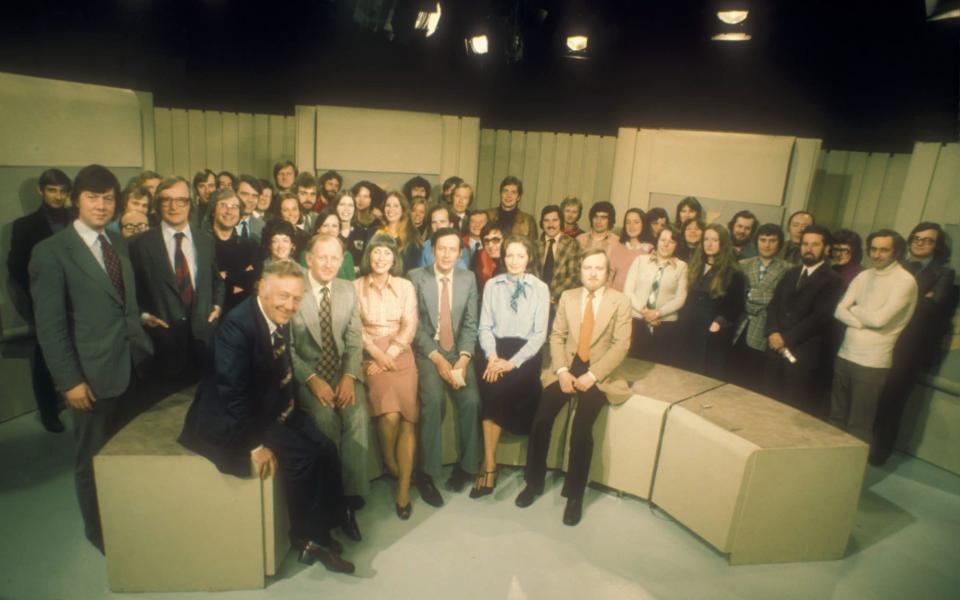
524,225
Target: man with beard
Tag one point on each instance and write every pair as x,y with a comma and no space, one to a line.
330,184
797,364
417,187
742,227
305,187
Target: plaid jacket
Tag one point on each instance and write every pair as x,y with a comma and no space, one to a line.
566,267
759,295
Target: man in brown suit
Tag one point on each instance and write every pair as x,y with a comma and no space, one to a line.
589,340
508,215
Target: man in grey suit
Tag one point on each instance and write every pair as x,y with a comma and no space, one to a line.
179,288
327,351
250,226
88,325
444,343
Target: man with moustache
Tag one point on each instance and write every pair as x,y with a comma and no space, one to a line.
330,184
799,318
742,227
559,255
245,416
305,187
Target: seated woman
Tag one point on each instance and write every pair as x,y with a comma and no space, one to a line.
396,214
279,242
486,261
691,233
513,328
328,222
633,243
388,312
657,288
716,289
288,209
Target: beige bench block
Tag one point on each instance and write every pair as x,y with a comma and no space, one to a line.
759,480
931,421
172,522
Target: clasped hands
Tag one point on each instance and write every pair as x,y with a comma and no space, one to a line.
445,369
342,397
651,316
570,384
496,368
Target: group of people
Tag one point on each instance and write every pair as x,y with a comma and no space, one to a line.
310,313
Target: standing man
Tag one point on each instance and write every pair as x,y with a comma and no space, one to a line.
439,218
559,255
462,199
284,173
508,215
204,185
742,227
600,236
245,415
179,288
88,325
330,184
27,232
589,339
799,320
875,308
327,352
763,273
250,226
238,260
305,187
797,222
444,344
572,211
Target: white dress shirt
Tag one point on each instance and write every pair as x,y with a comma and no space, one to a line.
91,237
189,252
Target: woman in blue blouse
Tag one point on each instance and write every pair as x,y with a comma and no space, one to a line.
513,328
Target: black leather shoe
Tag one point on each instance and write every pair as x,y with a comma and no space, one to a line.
52,424
301,545
356,502
485,484
404,512
428,491
458,479
350,527
330,559
573,512
527,496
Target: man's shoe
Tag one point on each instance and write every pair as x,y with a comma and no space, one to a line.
458,479
527,496
328,558
300,545
356,502
428,491
350,527
53,424
573,512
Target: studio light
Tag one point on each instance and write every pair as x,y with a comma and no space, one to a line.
942,10
577,43
428,20
733,17
733,36
478,44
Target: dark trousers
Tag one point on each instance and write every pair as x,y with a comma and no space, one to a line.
802,385
658,346
589,404
746,366
903,374
43,388
179,358
312,478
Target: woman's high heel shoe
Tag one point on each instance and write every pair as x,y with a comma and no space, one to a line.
480,487
404,511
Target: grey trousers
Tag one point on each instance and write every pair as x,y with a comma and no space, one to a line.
854,396
349,429
432,402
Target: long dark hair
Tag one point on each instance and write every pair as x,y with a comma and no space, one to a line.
724,263
941,252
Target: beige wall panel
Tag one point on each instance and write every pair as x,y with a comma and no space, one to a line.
831,189
231,150
198,139
450,164
574,168
923,163
48,122
603,187
469,148
164,129
623,162
488,151
378,140
561,162
181,141
148,130
640,186
893,180
533,195
944,191
856,165
213,131
870,188
289,138
729,166
261,141
517,144
501,163
545,169
305,133
803,166
588,174
249,157
275,153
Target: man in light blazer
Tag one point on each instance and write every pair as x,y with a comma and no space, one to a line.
327,352
179,288
88,326
589,340
443,345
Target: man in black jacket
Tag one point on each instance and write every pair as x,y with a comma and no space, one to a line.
245,411
797,364
27,232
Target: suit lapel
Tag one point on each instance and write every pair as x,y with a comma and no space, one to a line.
157,250
603,316
83,256
459,300
311,312
574,313
202,252
339,312
430,296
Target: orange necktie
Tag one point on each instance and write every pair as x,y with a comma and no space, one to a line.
586,330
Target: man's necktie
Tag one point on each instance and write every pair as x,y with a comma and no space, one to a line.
243,230
182,271
446,319
763,271
586,330
654,293
548,263
112,264
281,355
328,366
804,276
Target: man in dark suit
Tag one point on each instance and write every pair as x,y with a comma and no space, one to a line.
179,288
88,325
237,259
920,345
444,344
27,232
799,318
250,226
245,417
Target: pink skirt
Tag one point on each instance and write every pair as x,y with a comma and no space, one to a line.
394,391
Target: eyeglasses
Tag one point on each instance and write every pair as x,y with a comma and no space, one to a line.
841,250
492,240
230,207
926,241
178,202
136,227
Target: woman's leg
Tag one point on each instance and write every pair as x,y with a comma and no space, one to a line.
491,437
388,426
406,444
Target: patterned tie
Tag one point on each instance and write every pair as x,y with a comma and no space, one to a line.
586,330
763,271
518,290
112,264
182,271
329,364
243,230
654,292
281,355
446,320
548,263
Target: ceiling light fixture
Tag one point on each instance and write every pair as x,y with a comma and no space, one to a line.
478,44
734,36
733,17
428,21
577,43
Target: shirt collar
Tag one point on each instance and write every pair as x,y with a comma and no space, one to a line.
169,232
436,273
270,324
88,234
316,285
655,259
597,295
813,269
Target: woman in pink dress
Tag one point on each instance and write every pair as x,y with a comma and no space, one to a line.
634,242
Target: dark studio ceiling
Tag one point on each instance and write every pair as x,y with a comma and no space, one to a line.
862,75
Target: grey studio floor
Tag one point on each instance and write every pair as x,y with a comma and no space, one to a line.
906,544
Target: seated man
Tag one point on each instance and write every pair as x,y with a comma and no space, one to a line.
590,338
245,410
